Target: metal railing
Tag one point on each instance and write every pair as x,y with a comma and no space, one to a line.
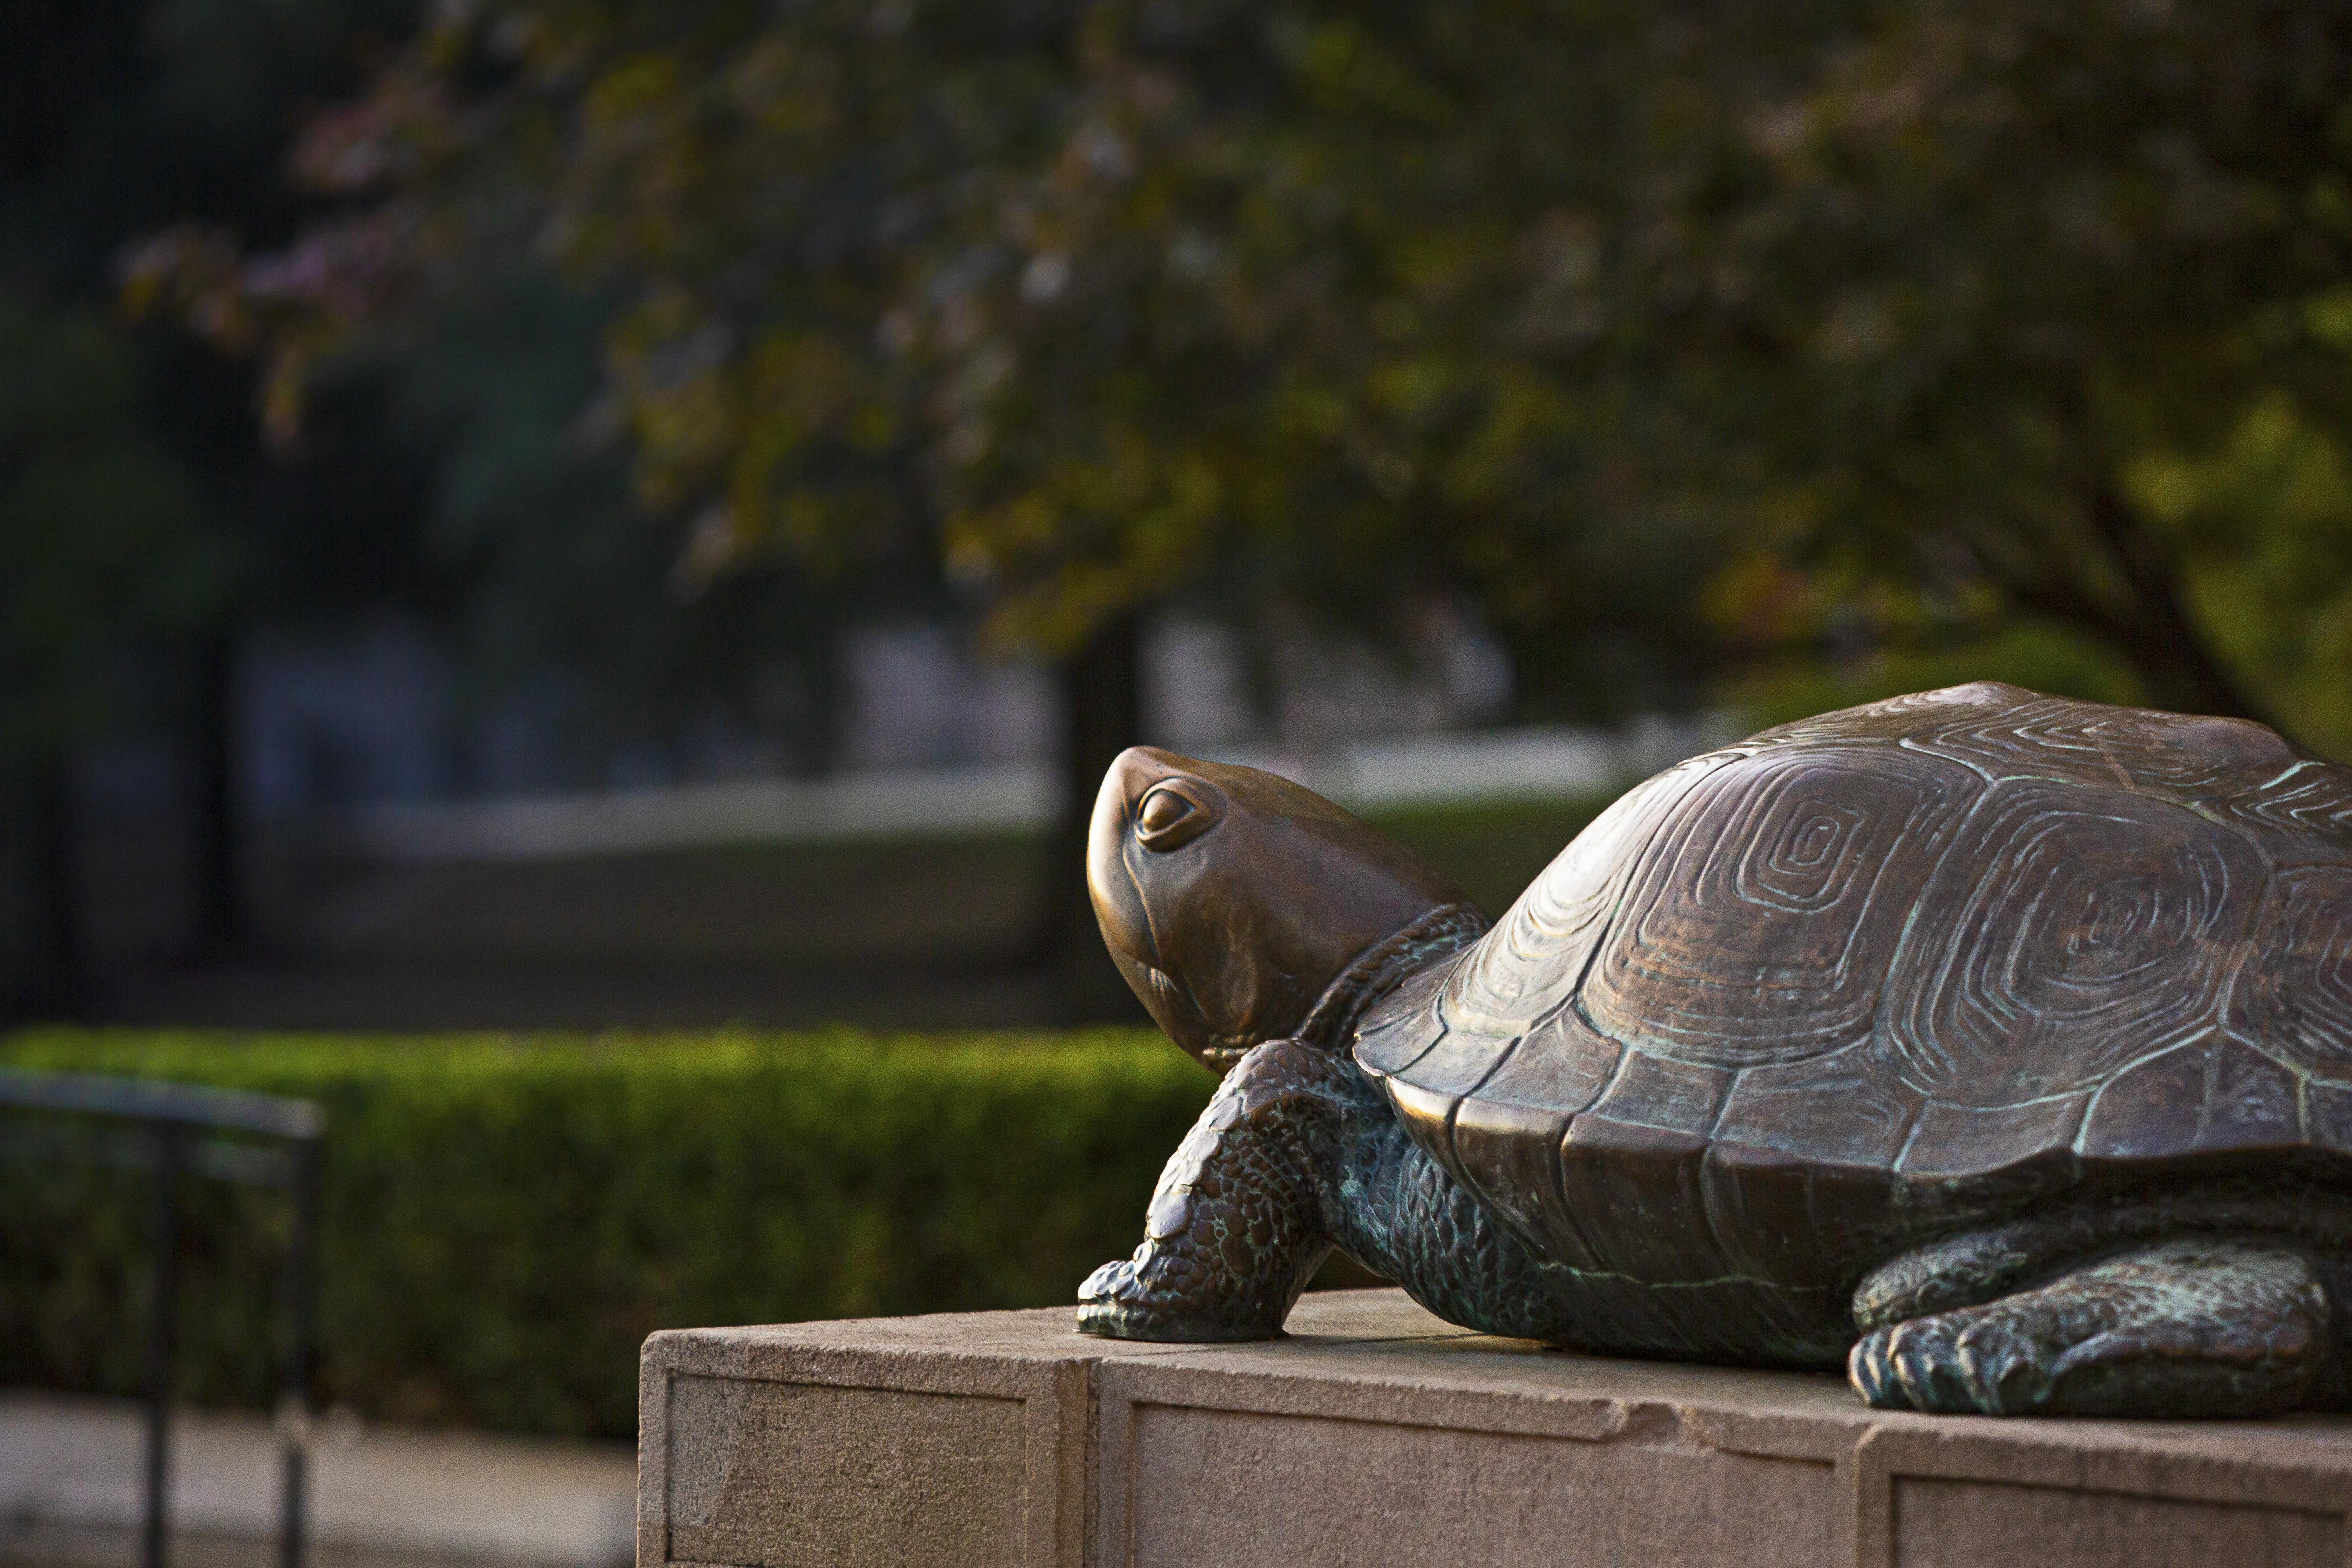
179,1132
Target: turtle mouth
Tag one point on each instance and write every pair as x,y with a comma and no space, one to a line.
1223,1051
1172,1005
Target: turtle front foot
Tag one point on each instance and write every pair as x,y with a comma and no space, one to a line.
2197,1326
1146,1298
1234,1228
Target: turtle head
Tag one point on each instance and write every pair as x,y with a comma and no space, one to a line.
1231,899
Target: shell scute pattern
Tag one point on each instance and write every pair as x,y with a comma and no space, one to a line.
2293,997
1631,1162
2302,816
1844,1111
1973,936
1760,923
1658,1091
1531,962
1953,1141
1629,1190
2209,1096
1459,1062
1786,1217
1560,1066
2128,748
1508,1154
2328,1116
2073,931
2251,1102
1506,1138
1404,1026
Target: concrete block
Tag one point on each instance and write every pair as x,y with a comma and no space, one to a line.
1377,1433
917,1441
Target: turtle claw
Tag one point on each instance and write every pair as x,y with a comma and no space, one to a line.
1873,1375
1947,1364
2007,1373
1118,1303
1141,1298
1942,1364
1925,1356
1112,1300
1107,1281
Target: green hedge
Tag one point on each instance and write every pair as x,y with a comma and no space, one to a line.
507,1218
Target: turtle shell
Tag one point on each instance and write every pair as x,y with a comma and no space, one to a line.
1972,939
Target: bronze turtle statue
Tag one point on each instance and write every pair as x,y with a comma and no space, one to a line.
1995,1047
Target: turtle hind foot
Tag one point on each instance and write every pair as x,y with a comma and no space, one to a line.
2197,1326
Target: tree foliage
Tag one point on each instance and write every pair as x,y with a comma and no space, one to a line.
1967,289
1932,329
1008,285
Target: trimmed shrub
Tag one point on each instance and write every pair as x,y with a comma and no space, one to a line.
506,1218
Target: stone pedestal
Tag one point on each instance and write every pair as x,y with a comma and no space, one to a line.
1378,1434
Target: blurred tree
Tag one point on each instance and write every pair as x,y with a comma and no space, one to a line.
1956,331
1104,305
120,116
566,573
2263,514
987,288
1951,335
102,544
449,481
1985,315
509,523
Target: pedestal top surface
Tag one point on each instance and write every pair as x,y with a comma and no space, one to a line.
1369,1341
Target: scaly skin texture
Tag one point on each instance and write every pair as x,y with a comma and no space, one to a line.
1975,1266
1299,1152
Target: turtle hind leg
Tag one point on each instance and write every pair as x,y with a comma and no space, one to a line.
2193,1326
1236,1224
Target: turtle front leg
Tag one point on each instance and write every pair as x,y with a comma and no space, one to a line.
1235,1227
2198,1325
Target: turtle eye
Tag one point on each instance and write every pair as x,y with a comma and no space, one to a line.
1169,817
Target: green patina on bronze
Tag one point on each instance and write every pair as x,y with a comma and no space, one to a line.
1995,1047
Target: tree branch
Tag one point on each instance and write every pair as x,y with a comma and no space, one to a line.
2162,640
